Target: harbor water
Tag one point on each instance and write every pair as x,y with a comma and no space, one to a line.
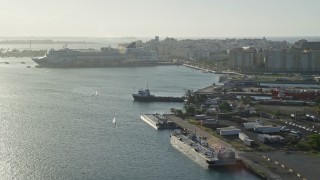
57,123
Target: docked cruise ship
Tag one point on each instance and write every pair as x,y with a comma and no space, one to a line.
105,57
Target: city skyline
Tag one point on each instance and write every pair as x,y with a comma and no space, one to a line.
142,18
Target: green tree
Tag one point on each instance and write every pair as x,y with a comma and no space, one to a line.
247,100
190,96
225,107
190,109
314,141
317,100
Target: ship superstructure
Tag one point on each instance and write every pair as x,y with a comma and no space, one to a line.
158,121
197,149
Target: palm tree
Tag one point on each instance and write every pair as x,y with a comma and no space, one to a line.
190,96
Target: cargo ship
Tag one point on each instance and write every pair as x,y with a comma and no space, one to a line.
105,57
146,96
158,121
197,149
295,94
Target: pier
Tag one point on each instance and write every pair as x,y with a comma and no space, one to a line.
192,128
253,165
211,90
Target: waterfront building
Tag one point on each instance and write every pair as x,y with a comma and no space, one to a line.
243,58
273,60
292,60
181,52
156,39
260,58
305,45
163,51
213,49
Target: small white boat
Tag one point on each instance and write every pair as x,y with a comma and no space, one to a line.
114,121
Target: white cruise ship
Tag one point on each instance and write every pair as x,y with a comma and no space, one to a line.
105,57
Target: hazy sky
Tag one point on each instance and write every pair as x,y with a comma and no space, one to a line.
147,18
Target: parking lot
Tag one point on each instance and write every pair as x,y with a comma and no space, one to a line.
291,128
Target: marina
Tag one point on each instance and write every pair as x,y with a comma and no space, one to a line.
69,130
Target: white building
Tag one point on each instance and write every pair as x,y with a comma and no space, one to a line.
243,58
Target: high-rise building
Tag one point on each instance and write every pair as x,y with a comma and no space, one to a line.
260,58
243,58
156,39
293,60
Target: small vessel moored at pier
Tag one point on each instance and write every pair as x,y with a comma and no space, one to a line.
158,121
146,96
197,149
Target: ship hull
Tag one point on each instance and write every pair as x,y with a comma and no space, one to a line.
117,62
188,151
152,122
157,99
106,57
192,153
157,122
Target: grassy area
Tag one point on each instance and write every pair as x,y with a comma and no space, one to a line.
285,110
271,77
261,77
315,154
192,121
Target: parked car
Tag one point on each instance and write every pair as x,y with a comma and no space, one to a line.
292,116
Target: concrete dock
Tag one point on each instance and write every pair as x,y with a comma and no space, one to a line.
213,141
210,90
192,128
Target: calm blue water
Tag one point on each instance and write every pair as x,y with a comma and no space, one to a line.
51,127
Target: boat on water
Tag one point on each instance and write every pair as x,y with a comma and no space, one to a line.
146,96
197,149
158,121
129,55
114,121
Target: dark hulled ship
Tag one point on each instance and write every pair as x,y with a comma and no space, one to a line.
145,96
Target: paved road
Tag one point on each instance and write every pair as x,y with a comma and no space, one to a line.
300,162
